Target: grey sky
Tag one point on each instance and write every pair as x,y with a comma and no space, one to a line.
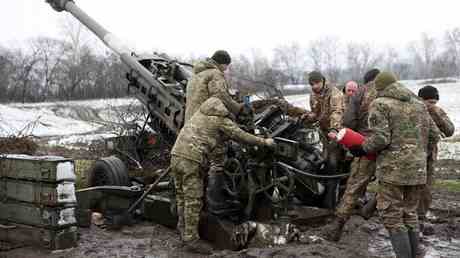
200,27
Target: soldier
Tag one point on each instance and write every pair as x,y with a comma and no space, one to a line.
208,81
196,141
430,97
362,169
326,104
402,135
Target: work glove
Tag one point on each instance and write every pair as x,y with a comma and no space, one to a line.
357,151
270,142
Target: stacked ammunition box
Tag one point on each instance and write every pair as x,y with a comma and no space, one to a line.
37,201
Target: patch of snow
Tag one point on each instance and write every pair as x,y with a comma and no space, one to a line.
65,171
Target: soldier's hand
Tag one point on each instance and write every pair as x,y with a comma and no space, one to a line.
270,142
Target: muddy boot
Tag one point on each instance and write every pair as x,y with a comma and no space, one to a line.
369,208
197,246
427,229
417,248
333,231
401,244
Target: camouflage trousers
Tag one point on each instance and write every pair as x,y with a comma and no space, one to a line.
397,206
189,193
426,199
362,170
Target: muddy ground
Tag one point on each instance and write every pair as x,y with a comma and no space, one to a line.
361,238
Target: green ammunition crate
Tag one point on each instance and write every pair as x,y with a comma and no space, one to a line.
48,238
42,193
36,215
38,168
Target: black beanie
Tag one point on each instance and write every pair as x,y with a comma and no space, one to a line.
428,92
315,76
370,75
221,57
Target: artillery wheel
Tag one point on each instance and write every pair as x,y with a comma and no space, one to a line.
108,171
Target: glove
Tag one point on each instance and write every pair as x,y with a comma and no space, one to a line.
357,151
270,142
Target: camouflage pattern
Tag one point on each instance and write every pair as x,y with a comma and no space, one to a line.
402,133
362,170
357,110
328,107
397,206
200,136
447,128
210,126
189,193
442,121
208,80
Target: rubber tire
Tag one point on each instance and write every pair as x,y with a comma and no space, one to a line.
112,168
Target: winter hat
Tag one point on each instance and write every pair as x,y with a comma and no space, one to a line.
315,76
221,57
428,92
370,75
384,79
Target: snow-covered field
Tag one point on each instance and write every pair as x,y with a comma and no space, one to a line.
64,123
449,101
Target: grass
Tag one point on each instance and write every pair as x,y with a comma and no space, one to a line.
81,170
450,185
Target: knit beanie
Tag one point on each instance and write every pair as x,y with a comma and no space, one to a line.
221,57
428,92
384,79
370,75
315,76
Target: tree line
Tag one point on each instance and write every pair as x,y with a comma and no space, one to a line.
49,69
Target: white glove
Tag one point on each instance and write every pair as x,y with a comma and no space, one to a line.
270,142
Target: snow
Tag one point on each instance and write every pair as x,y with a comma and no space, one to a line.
73,122
63,122
449,101
65,171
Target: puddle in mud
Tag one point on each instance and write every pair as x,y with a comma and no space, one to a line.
380,246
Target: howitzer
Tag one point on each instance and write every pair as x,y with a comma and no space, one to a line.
255,183
159,81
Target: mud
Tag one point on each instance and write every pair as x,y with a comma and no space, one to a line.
361,238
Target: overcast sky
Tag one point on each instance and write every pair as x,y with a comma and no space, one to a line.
200,27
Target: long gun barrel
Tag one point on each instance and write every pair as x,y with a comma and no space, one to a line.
165,103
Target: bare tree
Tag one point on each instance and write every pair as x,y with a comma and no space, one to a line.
423,55
325,55
360,57
291,60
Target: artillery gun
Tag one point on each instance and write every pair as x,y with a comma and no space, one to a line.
256,183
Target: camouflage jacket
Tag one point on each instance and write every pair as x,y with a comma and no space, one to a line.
402,133
443,123
357,109
207,128
441,120
207,81
328,108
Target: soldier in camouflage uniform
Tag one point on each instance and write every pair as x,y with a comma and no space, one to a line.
430,97
196,141
208,80
327,107
402,135
362,169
